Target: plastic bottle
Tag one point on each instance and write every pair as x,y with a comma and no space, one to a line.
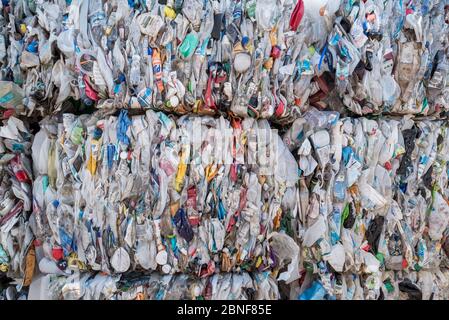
82,87
97,22
157,69
340,187
135,70
189,45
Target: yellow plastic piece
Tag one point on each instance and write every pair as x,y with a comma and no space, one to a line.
169,12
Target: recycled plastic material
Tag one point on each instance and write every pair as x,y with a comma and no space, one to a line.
150,193
369,224
376,212
17,253
222,286
293,149
263,59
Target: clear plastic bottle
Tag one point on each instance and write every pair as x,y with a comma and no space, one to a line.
97,23
134,76
340,187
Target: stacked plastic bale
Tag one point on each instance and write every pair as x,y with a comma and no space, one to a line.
388,57
17,253
183,57
258,60
261,59
373,207
146,193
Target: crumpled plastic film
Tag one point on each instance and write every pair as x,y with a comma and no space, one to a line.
196,195
17,252
154,286
373,207
263,59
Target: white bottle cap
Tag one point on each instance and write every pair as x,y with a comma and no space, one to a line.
123,155
161,257
166,268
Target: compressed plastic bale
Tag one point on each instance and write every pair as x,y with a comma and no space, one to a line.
208,205
387,215
17,247
259,59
